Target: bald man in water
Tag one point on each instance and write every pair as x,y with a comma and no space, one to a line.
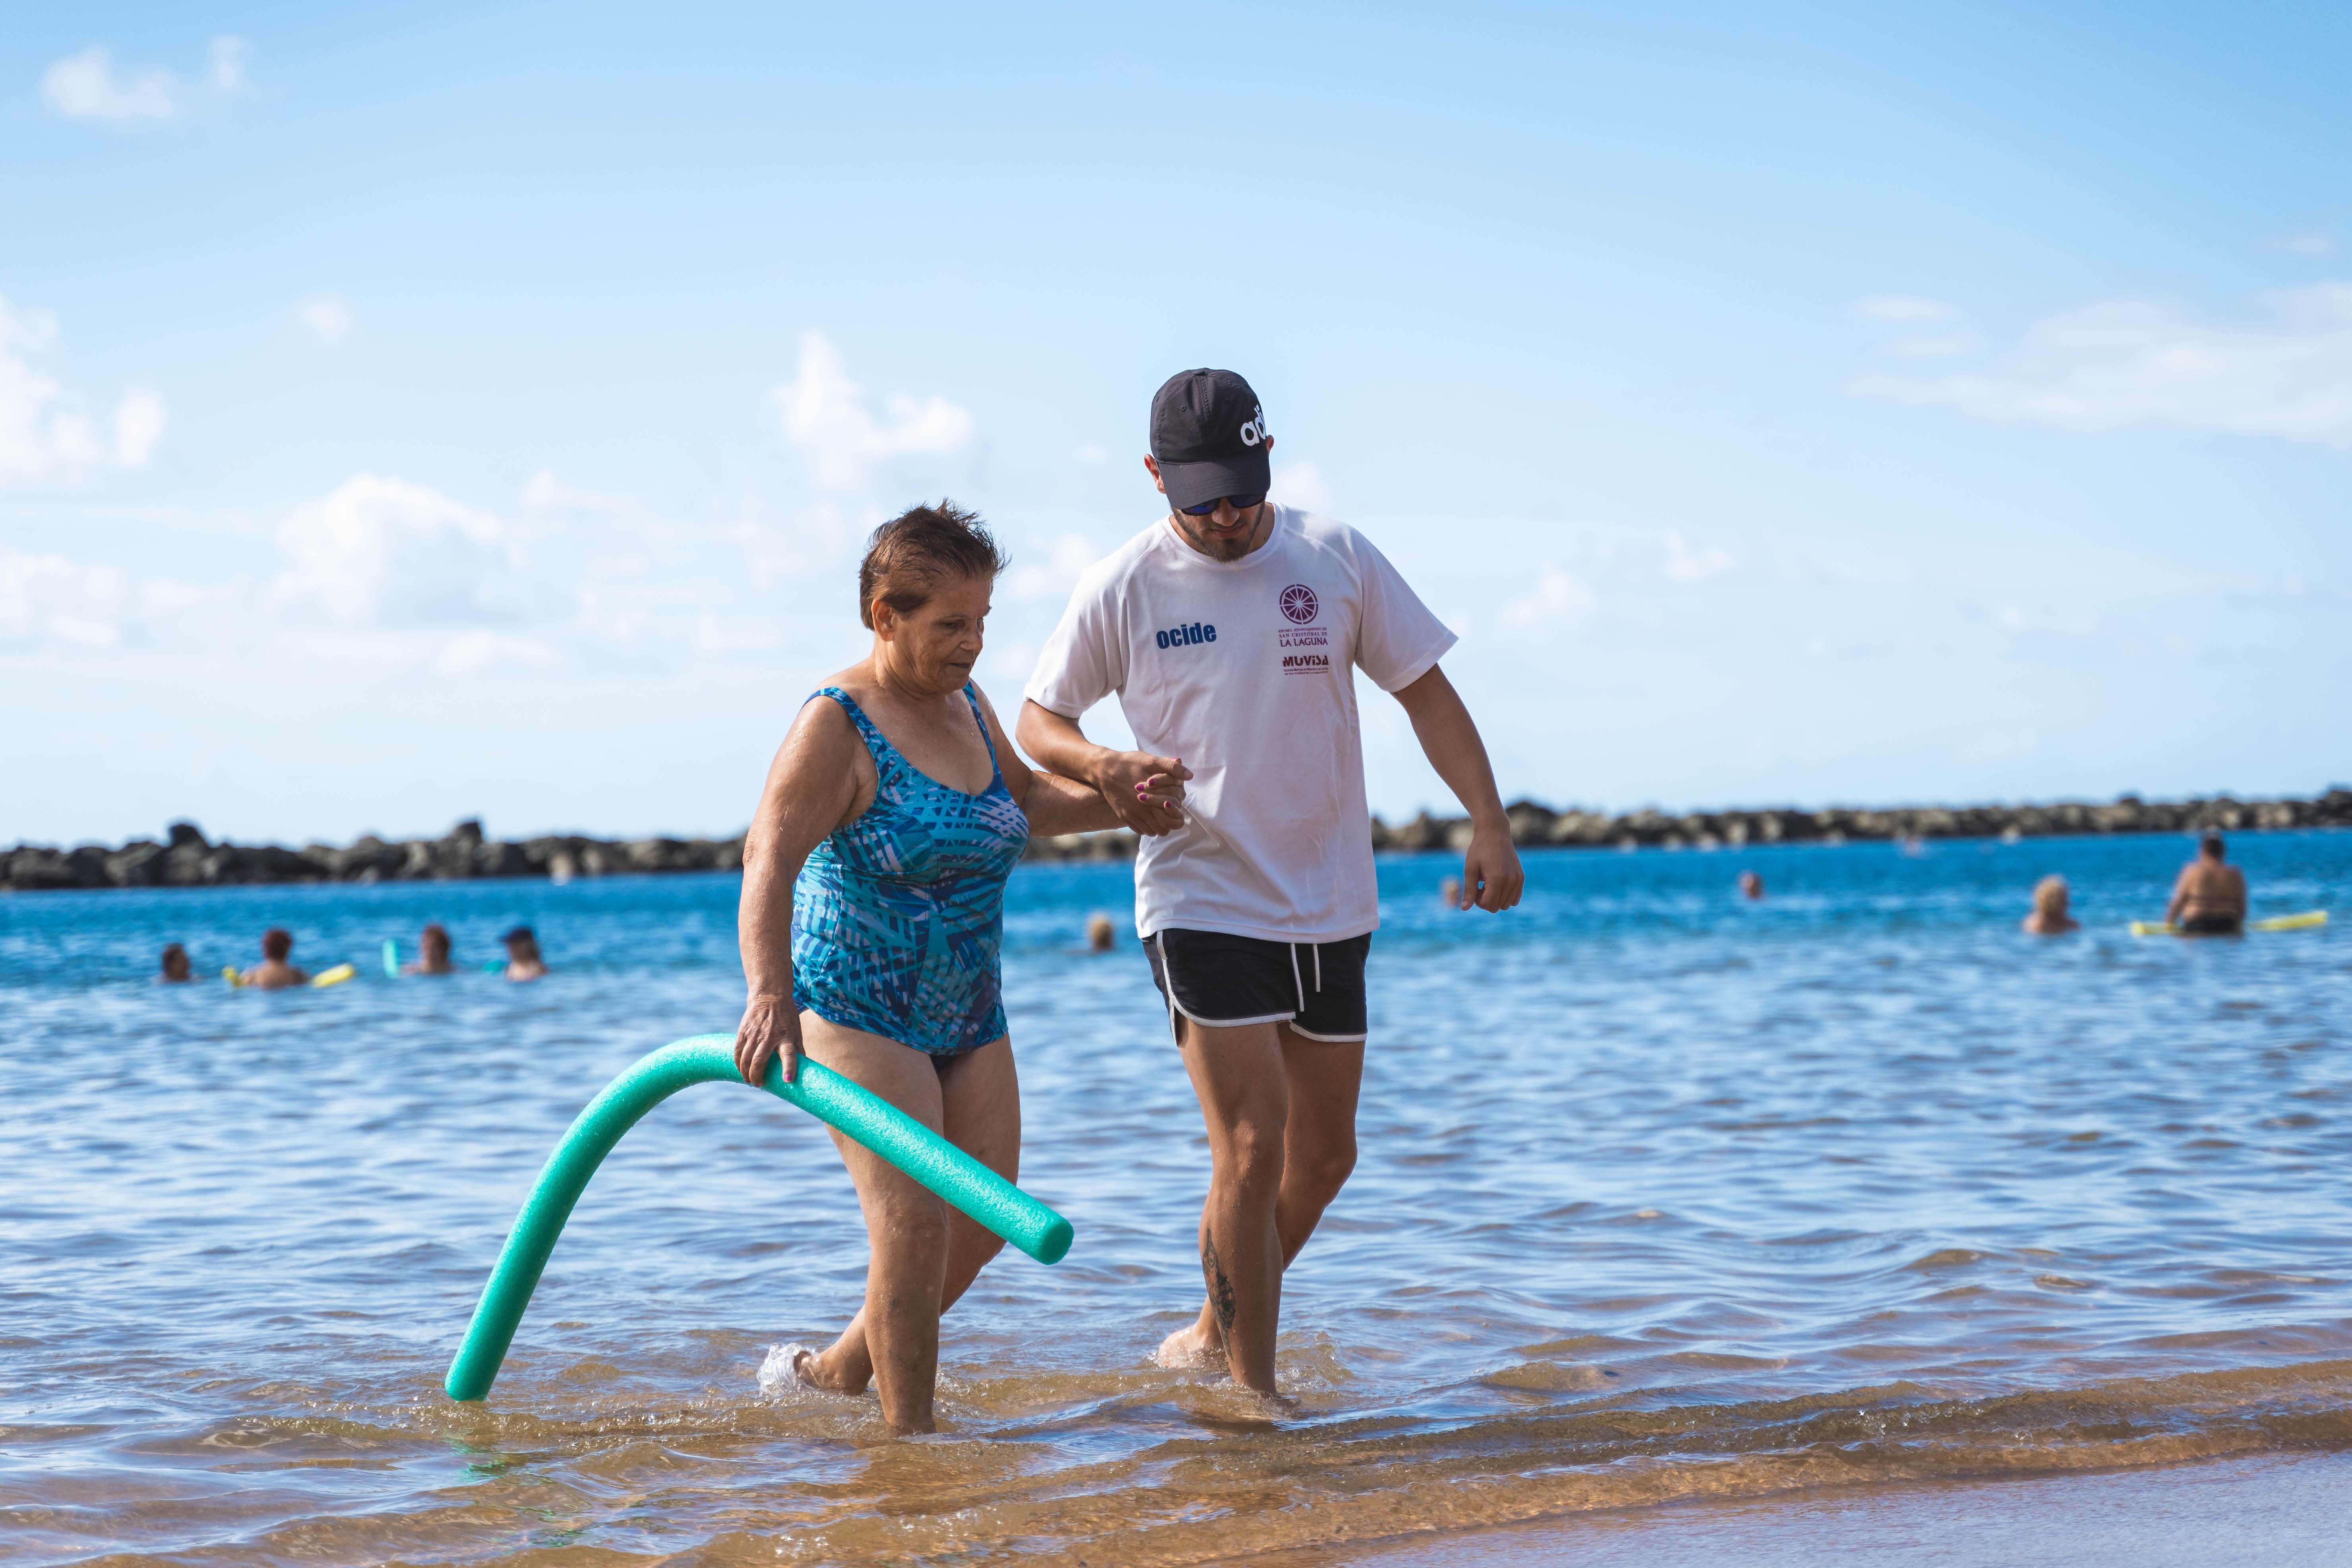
2210,899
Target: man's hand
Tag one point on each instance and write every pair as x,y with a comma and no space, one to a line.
1144,790
771,1028
1491,875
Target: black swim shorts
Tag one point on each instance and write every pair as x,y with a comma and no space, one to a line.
2214,925
1315,987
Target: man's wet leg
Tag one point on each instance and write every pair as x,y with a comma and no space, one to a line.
1237,1074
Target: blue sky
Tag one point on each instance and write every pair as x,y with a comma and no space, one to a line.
471,410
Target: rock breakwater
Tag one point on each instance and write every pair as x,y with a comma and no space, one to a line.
186,858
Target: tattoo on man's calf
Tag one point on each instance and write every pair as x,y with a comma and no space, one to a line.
1221,1290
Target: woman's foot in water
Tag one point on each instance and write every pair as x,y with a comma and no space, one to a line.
1196,1344
843,1366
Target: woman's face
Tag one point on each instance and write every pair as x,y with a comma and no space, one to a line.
933,646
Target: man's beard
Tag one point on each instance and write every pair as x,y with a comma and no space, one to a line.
1220,546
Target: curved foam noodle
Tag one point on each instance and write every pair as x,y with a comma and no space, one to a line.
824,1094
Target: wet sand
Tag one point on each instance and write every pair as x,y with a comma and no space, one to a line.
2271,1509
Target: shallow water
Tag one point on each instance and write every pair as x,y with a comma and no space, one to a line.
1662,1196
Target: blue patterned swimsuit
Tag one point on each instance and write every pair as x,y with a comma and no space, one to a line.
897,917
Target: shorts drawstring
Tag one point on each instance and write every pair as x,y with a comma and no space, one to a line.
1319,967
1295,980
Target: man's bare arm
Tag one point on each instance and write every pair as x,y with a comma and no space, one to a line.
1123,779
1055,804
1491,874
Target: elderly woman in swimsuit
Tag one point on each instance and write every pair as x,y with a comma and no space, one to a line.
873,900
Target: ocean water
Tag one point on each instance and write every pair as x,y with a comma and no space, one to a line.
1663,1195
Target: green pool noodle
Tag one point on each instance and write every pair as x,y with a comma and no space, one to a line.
824,1094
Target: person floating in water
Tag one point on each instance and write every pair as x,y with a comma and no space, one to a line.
873,913
524,962
1751,886
433,951
1101,936
2050,916
176,969
2210,899
1231,629
276,969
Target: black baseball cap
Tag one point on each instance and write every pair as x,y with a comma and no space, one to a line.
1209,437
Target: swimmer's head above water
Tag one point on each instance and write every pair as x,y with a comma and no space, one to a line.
2050,916
524,962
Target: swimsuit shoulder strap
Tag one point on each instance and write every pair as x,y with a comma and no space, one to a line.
971,695
885,755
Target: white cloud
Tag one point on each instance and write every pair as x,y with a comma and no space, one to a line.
1903,308
1946,345
2016,619
827,419
1301,484
328,318
2307,244
87,86
385,552
47,432
2283,370
227,78
544,491
50,598
138,425
481,651
1685,564
1558,602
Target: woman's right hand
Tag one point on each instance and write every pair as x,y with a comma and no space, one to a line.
770,1030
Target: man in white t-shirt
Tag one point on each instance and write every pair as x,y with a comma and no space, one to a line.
1231,631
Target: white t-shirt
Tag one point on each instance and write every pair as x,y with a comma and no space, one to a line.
1241,670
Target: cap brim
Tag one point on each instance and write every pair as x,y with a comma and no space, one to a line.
1197,484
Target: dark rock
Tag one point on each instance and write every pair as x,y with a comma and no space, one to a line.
139,864
1530,823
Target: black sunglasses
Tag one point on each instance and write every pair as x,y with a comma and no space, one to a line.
1241,503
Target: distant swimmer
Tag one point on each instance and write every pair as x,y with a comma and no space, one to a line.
1449,892
176,970
2050,916
276,971
2210,899
1751,885
524,962
433,952
1101,935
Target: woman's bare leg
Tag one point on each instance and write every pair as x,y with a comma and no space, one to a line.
976,1105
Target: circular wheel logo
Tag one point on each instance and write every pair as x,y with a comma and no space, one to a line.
1298,603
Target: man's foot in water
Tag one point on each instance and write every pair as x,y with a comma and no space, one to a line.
1196,1344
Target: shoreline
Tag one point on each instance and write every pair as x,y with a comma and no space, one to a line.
186,858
